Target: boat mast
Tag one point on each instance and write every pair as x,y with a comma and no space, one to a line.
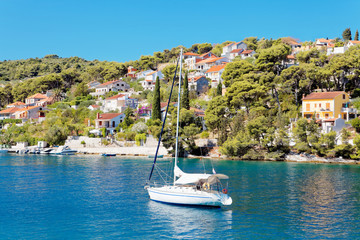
178,116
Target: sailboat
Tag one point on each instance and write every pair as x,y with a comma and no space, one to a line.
199,189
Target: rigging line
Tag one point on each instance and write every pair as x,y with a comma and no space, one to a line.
163,125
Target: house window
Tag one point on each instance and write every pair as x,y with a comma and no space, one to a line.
344,116
308,107
326,115
317,115
315,105
100,123
327,105
344,97
319,105
113,124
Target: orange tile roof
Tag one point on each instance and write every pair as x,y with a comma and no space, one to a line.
115,97
247,51
9,110
151,73
325,40
198,112
216,68
323,95
95,106
38,95
197,78
354,42
237,50
108,116
191,54
203,55
17,104
290,57
107,83
210,60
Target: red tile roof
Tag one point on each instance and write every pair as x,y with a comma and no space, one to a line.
216,68
95,106
9,110
115,97
211,54
323,95
108,116
38,95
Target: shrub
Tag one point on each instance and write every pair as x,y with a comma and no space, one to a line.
105,142
204,134
139,138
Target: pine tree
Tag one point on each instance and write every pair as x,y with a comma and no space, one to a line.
347,34
356,38
219,89
185,103
156,111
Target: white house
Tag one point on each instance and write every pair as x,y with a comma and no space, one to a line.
199,84
119,102
39,100
16,104
8,113
150,80
352,43
191,59
214,73
143,74
33,112
323,42
247,53
206,64
94,107
93,84
115,86
109,121
232,46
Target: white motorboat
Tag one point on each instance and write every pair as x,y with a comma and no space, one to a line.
188,188
64,150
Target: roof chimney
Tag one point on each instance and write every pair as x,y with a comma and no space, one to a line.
98,116
303,96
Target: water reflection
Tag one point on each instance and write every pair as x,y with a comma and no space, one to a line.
191,222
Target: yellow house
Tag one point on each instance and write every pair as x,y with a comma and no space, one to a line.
327,105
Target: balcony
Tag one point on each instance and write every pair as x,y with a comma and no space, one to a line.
349,110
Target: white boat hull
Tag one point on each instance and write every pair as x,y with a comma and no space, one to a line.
188,196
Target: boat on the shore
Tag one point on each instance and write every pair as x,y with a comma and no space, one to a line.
108,154
159,156
64,150
200,189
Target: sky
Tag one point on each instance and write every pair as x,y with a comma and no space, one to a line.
124,30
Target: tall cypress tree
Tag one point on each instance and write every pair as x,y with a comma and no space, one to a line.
356,38
185,102
219,89
156,111
347,34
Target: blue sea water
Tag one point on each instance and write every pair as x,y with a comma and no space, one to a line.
94,197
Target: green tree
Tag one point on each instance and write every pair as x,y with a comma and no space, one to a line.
219,89
346,34
156,111
185,102
204,48
356,38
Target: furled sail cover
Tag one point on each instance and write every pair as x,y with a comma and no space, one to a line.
187,178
